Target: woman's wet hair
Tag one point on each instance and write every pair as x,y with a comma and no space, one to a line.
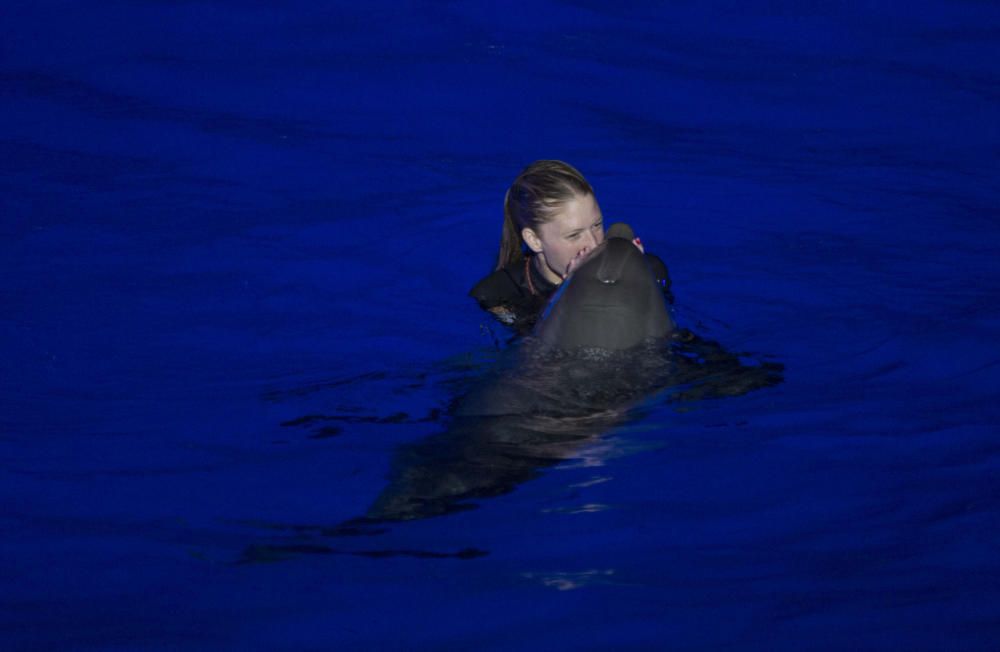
536,195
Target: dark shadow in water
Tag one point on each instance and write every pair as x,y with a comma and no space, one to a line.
535,409
315,422
266,553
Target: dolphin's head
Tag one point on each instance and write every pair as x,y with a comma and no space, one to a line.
611,301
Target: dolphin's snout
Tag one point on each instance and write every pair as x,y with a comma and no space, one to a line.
611,301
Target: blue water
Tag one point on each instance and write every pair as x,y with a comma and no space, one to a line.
217,218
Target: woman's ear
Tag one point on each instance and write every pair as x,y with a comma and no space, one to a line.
532,240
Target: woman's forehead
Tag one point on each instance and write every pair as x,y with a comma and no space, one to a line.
581,211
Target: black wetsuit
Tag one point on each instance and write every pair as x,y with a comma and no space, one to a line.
517,294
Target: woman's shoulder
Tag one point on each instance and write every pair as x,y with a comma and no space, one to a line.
513,298
496,288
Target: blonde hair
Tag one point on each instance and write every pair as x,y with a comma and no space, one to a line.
537,193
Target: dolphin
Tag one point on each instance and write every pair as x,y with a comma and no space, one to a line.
597,350
605,344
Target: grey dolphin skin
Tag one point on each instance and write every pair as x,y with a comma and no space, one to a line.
611,301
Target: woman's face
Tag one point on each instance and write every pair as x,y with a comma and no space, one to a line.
575,227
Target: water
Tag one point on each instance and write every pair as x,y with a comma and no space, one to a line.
219,219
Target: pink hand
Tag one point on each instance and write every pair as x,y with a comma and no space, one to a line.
577,259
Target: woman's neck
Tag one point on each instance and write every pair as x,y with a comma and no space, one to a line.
538,260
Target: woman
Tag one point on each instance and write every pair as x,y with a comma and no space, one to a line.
551,219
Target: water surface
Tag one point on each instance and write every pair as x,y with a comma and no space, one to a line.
236,242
